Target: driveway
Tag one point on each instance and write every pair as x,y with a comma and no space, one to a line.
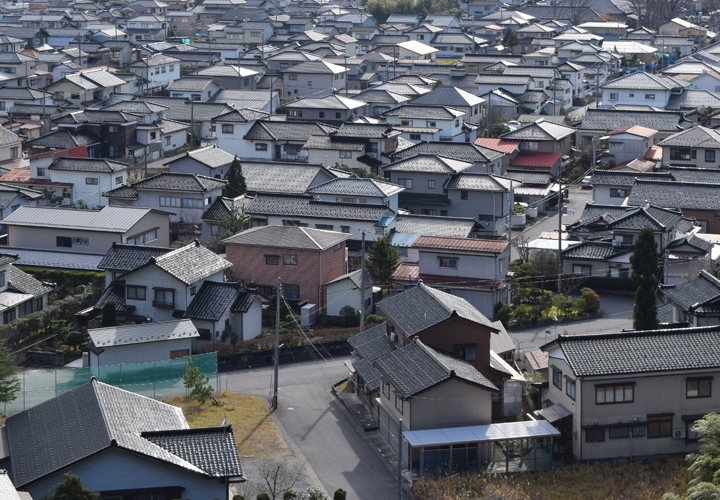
617,315
312,417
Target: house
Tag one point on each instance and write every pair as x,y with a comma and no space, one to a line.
194,88
677,26
150,450
345,291
122,258
685,256
85,86
210,161
314,78
412,49
92,231
355,190
143,343
598,122
118,129
164,286
696,146
631,143
146,27
612,187
20,293
305,258
156,71
10,145
694,302
455,98
450,121
542,145
332,109
450,45
533,187
642,88
379,101
231,76
486,197
483,159
358,146
184,197
306,211
278,140
603,399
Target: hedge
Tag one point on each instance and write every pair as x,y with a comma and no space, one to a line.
67,281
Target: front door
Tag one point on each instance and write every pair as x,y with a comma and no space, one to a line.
278,152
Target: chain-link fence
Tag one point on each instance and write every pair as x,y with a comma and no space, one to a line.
159,379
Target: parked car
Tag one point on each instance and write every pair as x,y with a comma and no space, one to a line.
586,182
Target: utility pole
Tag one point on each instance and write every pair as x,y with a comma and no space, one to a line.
399,471
594,159
277,343
192,123
559,256
362,284
511,206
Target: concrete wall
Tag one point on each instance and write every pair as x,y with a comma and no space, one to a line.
140,353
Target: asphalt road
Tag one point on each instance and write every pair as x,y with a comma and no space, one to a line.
312,417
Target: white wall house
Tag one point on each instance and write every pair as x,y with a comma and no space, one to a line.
159,70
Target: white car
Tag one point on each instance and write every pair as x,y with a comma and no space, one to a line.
513,125
586,182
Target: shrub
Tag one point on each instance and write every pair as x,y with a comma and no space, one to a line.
340,494
315,494
263,496
350,316
503,313
289,495
75,338
592,300
373,318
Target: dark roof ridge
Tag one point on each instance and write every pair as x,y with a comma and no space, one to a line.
94,382
168,432
684,183
638,333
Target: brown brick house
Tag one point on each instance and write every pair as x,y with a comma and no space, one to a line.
304,258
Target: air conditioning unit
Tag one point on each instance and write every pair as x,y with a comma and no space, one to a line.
617,243
393,336
678,433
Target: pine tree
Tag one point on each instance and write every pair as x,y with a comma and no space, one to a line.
109,315
9,385
510,38
235,181
645,269
383,259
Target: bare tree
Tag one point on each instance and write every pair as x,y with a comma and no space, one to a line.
280,475
521,244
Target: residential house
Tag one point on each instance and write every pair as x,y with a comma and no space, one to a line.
18,67
165,286
412,50
117,129
455,98
450,121
122,258
146,27
184,196
210,161
593,376
143,343
483,159
277,140
543,145
599,122
686,256
346,290
232,77
20,293
355,190
89,231
694,301
612,187
631,143
696,146
533,187
379,101
486,197
677,26
642,88
149,451
85,86
260,254
10,145
450,45
156,71
14,197
194,88
332,109
315,78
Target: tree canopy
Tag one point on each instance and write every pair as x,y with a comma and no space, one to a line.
645,268
72,488
382,9
9,385
235,180
383,259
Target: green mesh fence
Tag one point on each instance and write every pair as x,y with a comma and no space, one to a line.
160,379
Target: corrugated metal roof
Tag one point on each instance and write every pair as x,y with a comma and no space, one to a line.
143,333
464,244
545,160
109,219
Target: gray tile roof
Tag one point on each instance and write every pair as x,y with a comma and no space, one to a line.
694,174
212,300
136,107
221,207
356,187
55,259
190,84
191,263
302,238
646,81
183,109
684,195
367,372
428,163
461,151
143,333
88,165
64,139
241,116
306,206
642,352
539,130
696,137
417,367
592,250
622,178
448,96
25,283
529,177
604,120
109,219
428,225
266,130
244,301
372,343
478,182
436,306
169,181
212,156
692,99
425,112
699,291
7,490
328,102
129,257
324,142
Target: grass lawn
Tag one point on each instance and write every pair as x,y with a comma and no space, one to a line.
602,481
446,61
254,429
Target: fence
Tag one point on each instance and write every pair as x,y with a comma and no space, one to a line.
159,379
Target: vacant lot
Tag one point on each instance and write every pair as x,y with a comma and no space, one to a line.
605,481
253,427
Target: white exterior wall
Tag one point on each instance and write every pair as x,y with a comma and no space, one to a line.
90,194
448,130
356,227
177,140
635,97
164,79
250,323
345,293
601,195
140,353
236,145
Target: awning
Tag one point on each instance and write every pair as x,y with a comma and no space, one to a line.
553,413
481,433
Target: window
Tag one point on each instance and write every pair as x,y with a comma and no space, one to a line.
429,211
338,116
63,241
659,425
557,378
570,388
431,183
649,97
167,201
293,77
74,96
345,154
466,352
14,152
613,96
379,231
80,241
193,290
9,316
141,239
463,195
386,389
448,262
698,387
406,183
164,298
618,193
40,172
595,435
290,259
561,144
167,140
291,291
618,432
260,147
2,278
91,181
324,227
399,403
190,203
136,292
679,154
710,155
180,353
246,81
113,151
118,180
338,246
113,129
609,394
272,260
172,66
415,137
529,146
227,128
345,229
631,95
322,114
309,83
581,270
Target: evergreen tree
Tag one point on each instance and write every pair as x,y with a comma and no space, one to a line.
198,384
72,488
645,268
235,181
109,315
510,38
383,259
9,385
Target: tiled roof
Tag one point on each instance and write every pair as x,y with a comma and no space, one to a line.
428,225
305,206
136,107
189,84
684,195
621,178
448,96
428,163
367,372
372,343
529,177
55,259
221,207
605,119
539,130
108,219
542,160
635,130
302,238
461,151
212,156
328,102
461,244
697,292
191,263
279,178
324,142
478,182
437,307
168,181
212,300
129,257
696,137
115,293
316,67
143,333
25,283
694,174
642,352
244,301
65,139
88,165
356,187
592,250
417,367
241,116
645,81
266,130
425,112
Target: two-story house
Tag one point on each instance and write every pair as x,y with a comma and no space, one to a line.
210,161
157,71
485,197
333,109
694,302
450,121
146,27
117,129
305,258
20,293
276,140
355,190
696,146
543,145
612,187
185,196
85,86
631,143
316,78
642,88
631,394
88,176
